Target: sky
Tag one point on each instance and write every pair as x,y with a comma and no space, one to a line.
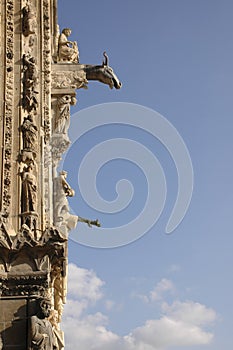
152,290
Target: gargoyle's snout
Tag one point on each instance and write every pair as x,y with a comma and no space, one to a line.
117,85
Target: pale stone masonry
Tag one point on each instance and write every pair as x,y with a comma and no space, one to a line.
40,72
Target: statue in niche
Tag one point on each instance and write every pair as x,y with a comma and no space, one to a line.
63,117
29,189
29,19
59,335
67,50
41,331
29,131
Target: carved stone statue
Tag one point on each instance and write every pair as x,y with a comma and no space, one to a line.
30,69
29,19
69,192
59,292
30,81
59,335
29,190
29,131
67,50
42,335
63,116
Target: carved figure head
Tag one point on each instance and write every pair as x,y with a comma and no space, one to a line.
63,173
45,308
66,31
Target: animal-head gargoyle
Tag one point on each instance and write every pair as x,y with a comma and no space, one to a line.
103,73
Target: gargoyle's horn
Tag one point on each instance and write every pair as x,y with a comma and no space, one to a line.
105,62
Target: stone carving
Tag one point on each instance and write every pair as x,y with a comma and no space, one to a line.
46,44
59,289
67,50
29,19
103,73
30,81
42,335
30,134
23,285
59,144
25,237
59,335
29,190
69,79
8,105
62,218
5,238
63,113
30,70
69,192
90,222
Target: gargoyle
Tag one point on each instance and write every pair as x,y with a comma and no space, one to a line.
102,73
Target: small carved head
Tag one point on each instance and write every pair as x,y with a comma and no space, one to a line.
45,307
63,173
66,31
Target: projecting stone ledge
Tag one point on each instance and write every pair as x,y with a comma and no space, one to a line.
71,76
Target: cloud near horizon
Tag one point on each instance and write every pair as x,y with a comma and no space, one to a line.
181,323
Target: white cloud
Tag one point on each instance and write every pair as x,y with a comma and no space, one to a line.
84,284
157,293
162,287
190,312
181,324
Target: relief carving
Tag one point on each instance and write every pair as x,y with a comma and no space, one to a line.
29,19
8,112
30,82
69,79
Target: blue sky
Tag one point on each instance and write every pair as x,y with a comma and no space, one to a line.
162,291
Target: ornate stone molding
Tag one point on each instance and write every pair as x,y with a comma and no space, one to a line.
9,107
27,285
69,80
